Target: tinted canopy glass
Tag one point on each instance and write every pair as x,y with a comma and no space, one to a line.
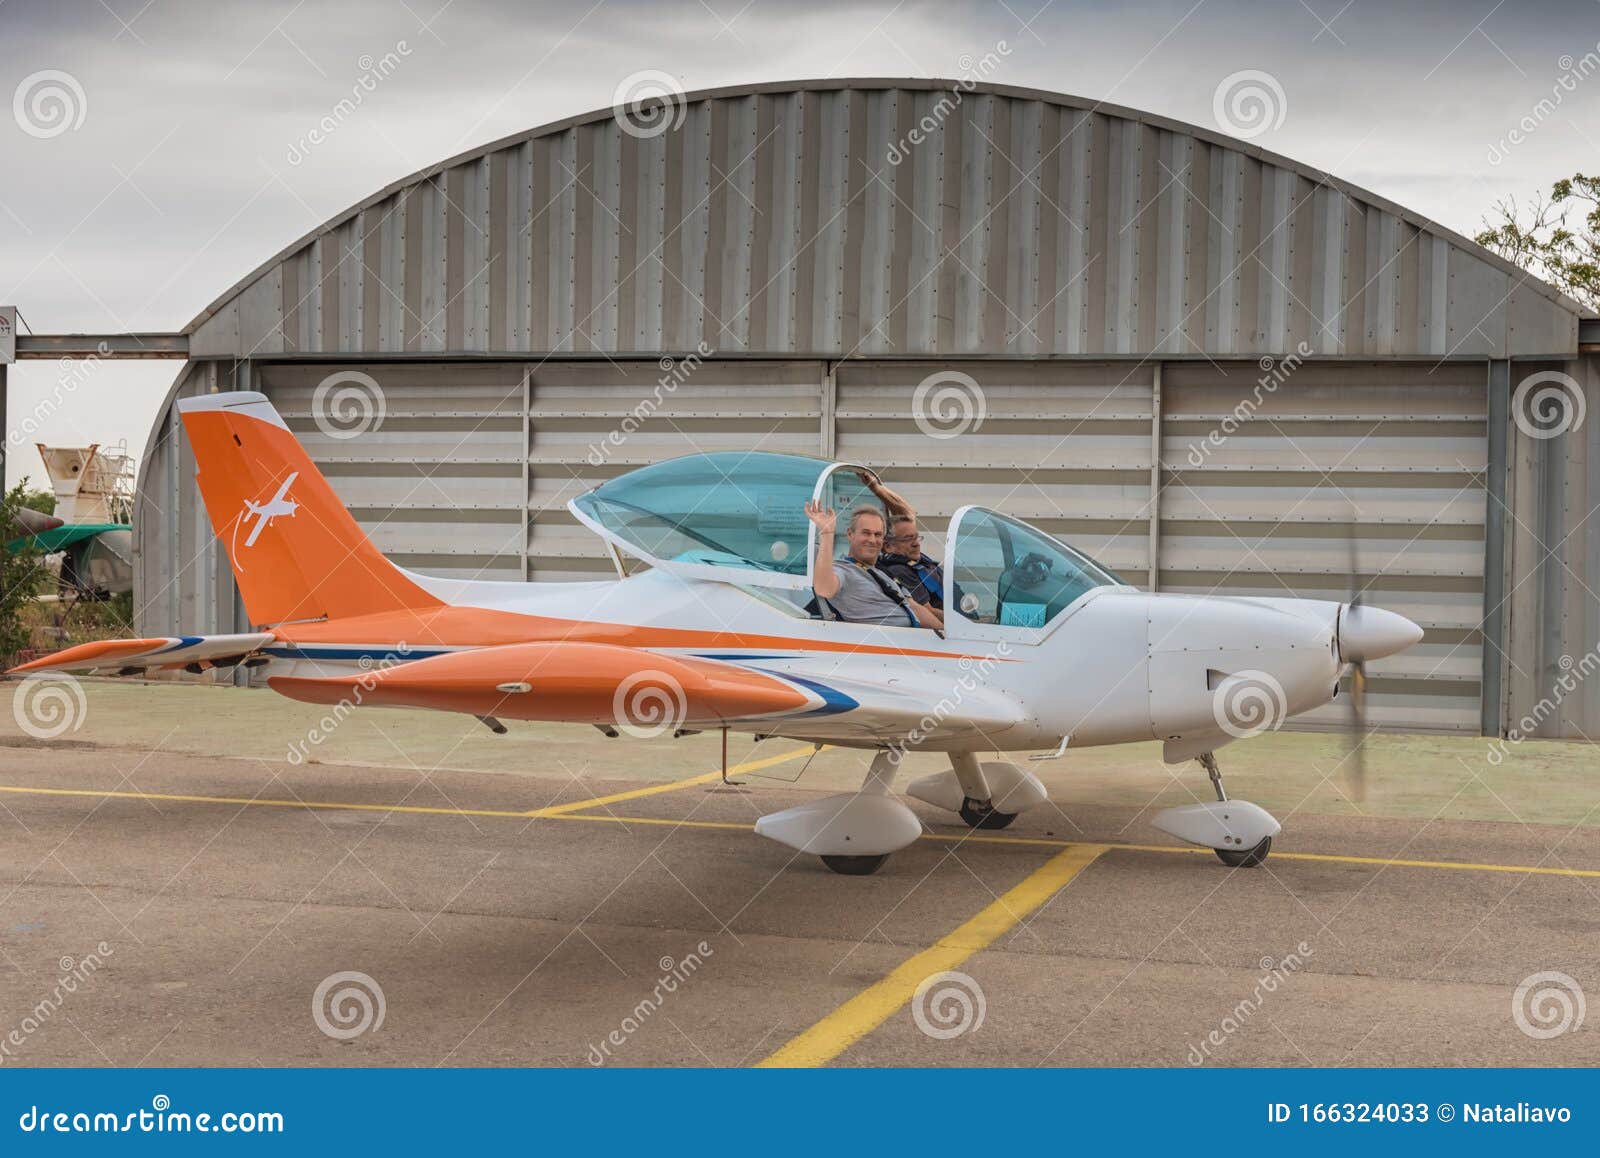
729,509
1012,574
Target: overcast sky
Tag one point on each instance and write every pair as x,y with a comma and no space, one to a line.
176,178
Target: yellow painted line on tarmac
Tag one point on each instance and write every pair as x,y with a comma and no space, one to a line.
259,801
554,811
874,1005
656,789
573,812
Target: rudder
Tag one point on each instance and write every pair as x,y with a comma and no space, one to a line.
295,549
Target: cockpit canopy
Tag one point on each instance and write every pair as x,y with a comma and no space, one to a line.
740,517
709,511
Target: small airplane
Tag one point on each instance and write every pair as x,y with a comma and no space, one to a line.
1042,648
274,508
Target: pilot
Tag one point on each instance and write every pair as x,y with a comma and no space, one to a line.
902,558
853,586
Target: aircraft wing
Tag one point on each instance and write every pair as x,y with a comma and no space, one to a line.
927,707
600,683
132,656
572,681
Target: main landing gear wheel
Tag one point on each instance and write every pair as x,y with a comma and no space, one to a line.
979,815
1246,857
855,866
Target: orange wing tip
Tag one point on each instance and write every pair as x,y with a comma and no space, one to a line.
97,654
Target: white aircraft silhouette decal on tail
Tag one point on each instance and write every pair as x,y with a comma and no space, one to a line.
274,508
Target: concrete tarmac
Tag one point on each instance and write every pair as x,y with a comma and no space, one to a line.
169,909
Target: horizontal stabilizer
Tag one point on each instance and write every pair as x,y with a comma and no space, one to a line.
590,683
128,655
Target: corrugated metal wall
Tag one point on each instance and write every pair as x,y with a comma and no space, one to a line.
1382,464
884,217
1552,668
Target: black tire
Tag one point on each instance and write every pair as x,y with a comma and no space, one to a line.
1245,858
856,866
978,816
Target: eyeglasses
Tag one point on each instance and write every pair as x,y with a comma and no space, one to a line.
908,540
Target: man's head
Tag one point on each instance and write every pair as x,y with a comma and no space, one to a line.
904,539
866,535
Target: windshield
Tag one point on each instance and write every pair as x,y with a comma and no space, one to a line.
730,509
1009,573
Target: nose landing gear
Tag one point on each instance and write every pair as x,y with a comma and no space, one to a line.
1240,832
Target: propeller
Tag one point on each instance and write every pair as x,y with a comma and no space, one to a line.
1355,761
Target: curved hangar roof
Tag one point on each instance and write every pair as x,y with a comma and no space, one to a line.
884,218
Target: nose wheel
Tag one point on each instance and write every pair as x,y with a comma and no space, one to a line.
1249,858
855,866
1240,833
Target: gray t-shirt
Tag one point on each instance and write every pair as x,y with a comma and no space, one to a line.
860,600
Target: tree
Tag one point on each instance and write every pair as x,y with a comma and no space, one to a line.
22,574
1545,241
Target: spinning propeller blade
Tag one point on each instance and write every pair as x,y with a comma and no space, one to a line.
1355,761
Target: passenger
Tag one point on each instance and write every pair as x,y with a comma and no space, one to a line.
853,586
902,558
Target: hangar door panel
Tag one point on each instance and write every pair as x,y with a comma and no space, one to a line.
1280,479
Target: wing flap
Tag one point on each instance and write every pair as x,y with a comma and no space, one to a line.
576,682
122,655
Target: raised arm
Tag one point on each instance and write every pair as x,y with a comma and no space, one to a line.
893,503
824,580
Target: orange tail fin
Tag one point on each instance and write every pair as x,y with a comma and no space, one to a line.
296,551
